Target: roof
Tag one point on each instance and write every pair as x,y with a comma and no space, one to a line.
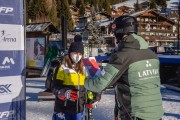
148,14
165,23
41,27
106,23
129,3
155,13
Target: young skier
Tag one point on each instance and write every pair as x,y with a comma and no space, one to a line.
68,85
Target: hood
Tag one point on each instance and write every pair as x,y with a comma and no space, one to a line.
133,41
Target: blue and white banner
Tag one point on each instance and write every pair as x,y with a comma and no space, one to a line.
11,37
11,12
12,60
11,89
11,63
12,110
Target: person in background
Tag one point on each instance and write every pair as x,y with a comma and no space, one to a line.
133,71
68,84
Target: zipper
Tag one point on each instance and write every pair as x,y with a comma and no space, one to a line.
78,92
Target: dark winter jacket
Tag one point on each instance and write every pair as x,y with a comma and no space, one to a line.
134,73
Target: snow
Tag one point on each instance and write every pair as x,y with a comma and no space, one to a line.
43,110
129,3
106,23
173,4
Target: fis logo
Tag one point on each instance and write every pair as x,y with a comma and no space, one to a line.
6,37
5,89
6,10
6,114
6,63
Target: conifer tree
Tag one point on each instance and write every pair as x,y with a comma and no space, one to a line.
53,14
106,6
28,10
153,4
86,2
66,12
100,5
82,8
78,3
95,4
59,8
161,3
137,6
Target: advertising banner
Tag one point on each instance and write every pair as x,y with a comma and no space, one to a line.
11,36
10,89
12,60
11,63
35,52
11,11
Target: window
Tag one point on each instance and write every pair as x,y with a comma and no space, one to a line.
146,19
147,33
162,28
152,33
138,19
142,33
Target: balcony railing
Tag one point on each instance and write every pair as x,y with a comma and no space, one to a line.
155,30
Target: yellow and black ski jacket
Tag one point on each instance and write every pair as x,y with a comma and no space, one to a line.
66,78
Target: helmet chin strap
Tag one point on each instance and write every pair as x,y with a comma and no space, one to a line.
119,39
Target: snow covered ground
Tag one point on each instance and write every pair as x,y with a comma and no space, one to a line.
42,110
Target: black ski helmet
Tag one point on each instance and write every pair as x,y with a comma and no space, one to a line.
124,25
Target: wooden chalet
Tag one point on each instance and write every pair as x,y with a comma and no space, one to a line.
155,28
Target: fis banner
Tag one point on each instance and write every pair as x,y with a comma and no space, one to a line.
12,60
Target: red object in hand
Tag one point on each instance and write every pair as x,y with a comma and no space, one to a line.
94,105
89,105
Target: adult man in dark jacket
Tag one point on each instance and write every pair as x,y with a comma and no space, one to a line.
134,72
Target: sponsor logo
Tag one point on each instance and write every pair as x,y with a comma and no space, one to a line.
6,37
6,114
5,89
6,10
148,64
7,62
149,73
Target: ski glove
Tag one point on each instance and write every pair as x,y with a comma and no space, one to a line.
67,95
93,105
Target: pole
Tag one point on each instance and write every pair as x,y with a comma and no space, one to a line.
64,27
64,31
178,26
178,23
